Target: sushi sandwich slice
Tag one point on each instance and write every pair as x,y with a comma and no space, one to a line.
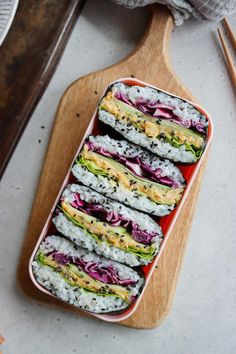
107,227
83,279
166,125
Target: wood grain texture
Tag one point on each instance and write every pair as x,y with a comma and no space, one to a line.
148,62
28,58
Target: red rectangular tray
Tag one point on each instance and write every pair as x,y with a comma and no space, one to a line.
167,222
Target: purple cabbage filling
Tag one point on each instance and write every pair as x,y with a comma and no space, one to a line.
137,166
161,110
113,218
104,274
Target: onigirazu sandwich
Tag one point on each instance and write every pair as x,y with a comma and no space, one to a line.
125,172
164,124
84,279
106,227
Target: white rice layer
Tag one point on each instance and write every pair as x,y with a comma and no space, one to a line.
78,297
129,150
58,286
83,239
110,189
156,146
182,109
144,222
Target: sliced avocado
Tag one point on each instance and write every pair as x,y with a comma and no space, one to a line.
119,174
78,278
116,236
166,123
176,135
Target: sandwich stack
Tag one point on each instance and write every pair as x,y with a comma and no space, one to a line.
104,236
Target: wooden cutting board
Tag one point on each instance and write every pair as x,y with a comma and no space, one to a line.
148,62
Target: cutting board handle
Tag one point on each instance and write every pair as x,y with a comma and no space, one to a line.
153,46
150,58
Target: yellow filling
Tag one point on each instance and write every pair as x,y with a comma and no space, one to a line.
157,193
81,279
122,240
148,125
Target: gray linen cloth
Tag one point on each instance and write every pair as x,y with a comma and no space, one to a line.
213,10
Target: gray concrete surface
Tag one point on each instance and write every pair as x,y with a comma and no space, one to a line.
202,318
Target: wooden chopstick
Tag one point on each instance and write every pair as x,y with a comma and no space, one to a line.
230,32
229,60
